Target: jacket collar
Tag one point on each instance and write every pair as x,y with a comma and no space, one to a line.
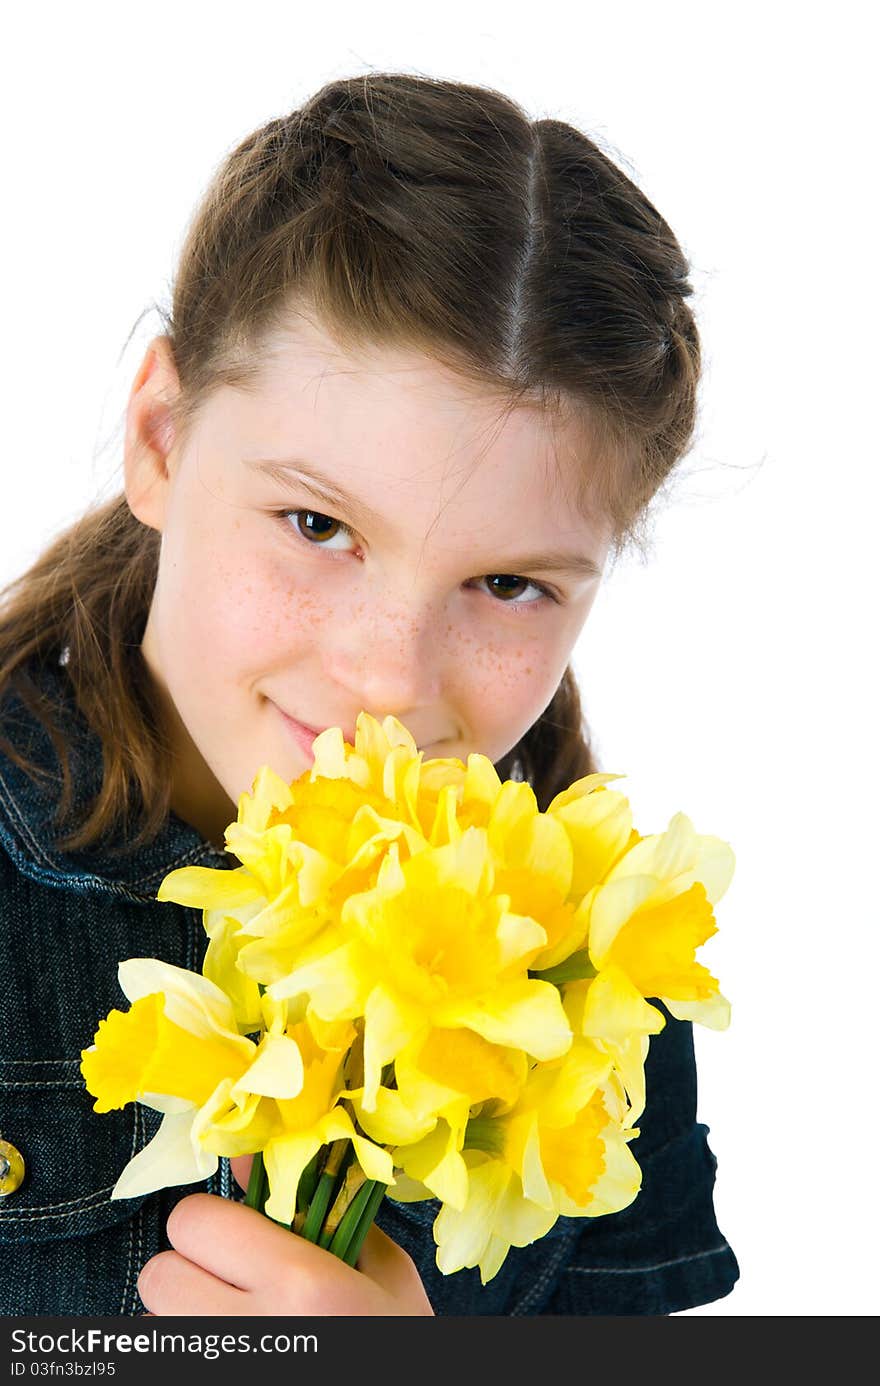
27,808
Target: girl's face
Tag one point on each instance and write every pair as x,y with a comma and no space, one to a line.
358,533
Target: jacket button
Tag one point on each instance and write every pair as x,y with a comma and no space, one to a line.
11,1168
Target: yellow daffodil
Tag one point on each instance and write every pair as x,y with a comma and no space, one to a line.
304,849
561,1150
413,964
655,909
598,824
314,1117
176,1050
534,864
610,1011
384,763
438,1081
430,946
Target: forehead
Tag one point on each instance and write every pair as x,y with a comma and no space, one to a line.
397,415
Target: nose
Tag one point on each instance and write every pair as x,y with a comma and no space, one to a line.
389,660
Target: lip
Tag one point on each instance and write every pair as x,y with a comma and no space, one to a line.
303,735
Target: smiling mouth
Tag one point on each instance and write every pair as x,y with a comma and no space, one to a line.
305,731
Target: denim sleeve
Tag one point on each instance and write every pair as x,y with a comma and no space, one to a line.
663,1253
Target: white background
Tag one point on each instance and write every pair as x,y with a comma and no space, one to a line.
730,676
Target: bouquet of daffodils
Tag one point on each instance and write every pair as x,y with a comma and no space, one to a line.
417,985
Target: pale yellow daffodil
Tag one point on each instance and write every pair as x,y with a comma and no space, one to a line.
561,1150
610,1011
438,1081
598,823
178,1050
655,909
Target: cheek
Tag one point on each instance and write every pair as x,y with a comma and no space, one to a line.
508,684
230,600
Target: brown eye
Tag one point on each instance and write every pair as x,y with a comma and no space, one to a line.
504,585
508,588
316,526
319,530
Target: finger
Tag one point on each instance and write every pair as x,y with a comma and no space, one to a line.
241,1169
389,1266
170,1285
235,1243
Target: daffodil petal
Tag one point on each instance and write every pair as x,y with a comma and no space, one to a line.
682,855
277,1070
316,874
375,1162
203,887
436,1162
524,1015
583,1069
579,789
481,782
462,1235
629,1061
519,936
406,1190
164,1102
169,1159
534,1180
392,1122
598,826
269,794
617,1185
328,752
613,904
714,1013
518,1222
332,981
191,1000
220,966
493,1257
389,1025
284,1159
614,1009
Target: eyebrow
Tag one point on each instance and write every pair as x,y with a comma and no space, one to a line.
577,564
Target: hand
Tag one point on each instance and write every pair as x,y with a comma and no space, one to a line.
231,1260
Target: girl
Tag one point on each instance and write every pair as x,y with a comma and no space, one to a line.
427,363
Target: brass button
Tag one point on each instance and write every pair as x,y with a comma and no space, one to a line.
11,1168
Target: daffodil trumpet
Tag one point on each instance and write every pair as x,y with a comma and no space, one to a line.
417,984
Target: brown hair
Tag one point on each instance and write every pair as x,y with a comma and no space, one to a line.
405,211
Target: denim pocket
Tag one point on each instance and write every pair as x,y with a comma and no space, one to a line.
72,1154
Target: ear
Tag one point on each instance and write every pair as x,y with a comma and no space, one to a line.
149,434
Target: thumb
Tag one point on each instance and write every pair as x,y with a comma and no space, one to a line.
241,1169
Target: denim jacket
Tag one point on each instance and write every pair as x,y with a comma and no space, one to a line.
68,1249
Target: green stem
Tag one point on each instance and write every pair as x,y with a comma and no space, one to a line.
256,1189
350,1219
328,1187
308,1182
575,968
349,1187
364,1222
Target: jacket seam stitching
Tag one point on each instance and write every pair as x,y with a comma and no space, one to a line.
43,1211
14,812
40,1083
642,1270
